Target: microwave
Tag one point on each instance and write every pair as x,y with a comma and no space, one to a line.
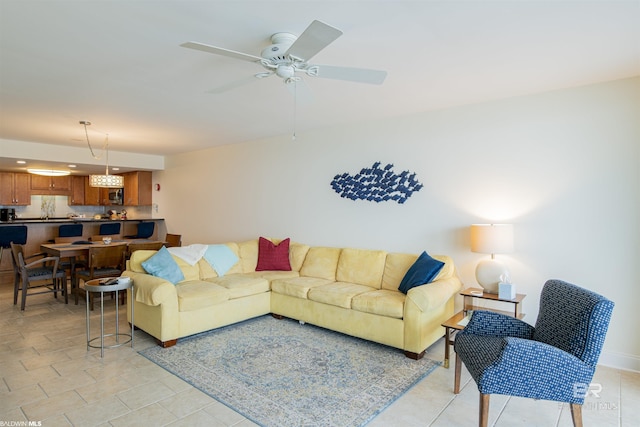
116,196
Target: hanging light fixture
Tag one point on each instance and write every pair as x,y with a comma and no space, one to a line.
106,180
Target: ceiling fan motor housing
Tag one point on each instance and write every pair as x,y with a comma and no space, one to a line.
281,42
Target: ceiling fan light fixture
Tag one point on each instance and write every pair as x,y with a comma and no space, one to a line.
285,71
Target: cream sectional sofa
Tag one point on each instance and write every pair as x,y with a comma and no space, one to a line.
353,291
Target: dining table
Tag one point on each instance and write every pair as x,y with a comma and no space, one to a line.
72,251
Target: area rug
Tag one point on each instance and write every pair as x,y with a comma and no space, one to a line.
283,373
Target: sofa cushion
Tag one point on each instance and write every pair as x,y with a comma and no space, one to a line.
137,258
423,271
297,254
162,264
221,258
248,254
297,286
364,267
197,294
337,293
321,262
273,256
241,285
382,302
273,274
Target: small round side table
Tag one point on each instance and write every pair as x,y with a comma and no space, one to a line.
100,286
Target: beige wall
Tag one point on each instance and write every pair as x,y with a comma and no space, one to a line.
562,166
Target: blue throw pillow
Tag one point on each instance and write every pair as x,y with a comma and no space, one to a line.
221,258
423,271
164,266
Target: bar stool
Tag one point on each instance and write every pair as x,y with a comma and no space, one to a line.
103,286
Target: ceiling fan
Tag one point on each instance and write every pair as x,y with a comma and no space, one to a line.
289,55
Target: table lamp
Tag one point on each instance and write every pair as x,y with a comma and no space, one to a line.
491,239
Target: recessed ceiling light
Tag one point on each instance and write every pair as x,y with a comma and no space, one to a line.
21,162
115,169
72,166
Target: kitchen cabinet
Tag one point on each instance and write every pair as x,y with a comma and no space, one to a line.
15,189
50,185
76,196
95,196
137,188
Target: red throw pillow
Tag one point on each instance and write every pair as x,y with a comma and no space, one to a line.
273,257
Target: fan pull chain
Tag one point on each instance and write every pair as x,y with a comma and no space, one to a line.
295,108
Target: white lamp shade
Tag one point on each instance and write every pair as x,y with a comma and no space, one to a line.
492,238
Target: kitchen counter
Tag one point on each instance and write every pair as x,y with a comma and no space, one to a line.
44,230
73,220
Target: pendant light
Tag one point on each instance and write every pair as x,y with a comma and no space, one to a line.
106,180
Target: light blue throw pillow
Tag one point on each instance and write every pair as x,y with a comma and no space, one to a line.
221,258
164,266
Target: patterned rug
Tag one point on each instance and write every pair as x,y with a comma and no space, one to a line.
282,373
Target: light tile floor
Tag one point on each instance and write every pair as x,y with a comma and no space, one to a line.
48,375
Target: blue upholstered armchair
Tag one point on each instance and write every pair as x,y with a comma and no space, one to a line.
555,360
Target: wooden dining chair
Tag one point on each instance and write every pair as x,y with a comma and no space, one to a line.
173,240
36,272
148,246
102,261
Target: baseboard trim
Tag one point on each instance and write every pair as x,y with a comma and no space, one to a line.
627,362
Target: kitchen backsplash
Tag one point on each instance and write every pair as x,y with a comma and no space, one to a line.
58,207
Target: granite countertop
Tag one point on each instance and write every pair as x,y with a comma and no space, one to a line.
58,220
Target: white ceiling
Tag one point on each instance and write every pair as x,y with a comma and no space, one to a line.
119,64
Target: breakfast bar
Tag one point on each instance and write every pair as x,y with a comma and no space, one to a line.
41,232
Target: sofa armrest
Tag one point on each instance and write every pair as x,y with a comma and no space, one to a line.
151,290
433,295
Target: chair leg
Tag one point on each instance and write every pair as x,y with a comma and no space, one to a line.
576,414
24,293
484,410
16,288
456,377
65,289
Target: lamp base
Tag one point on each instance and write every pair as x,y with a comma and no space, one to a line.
488,274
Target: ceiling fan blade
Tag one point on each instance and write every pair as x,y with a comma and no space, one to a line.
316,37
360,75
234,84
221,51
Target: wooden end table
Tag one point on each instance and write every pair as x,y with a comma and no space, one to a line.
470,294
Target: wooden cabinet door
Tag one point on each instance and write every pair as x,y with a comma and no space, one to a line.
6,188
51,185
61,184
137,188
22,189
77,190
39,182
92,195
15,189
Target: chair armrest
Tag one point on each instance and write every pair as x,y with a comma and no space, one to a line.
152,290
55,259
434,294
537,370
485,322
